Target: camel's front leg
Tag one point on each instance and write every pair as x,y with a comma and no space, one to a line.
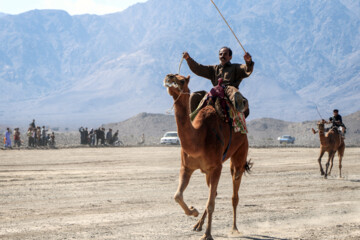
319,160
210,206
200,223
184,179
331,155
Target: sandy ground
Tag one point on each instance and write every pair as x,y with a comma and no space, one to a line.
127,193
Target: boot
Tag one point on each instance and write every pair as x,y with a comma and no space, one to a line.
238,102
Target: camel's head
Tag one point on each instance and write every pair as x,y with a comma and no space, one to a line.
176,84
321,125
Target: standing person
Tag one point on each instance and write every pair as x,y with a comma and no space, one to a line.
17,141
52,139
92,137
29,135
102,136
43,136
32,124
38,136
109,136
232,75
34,137
82,135
86,136
8,138
115,137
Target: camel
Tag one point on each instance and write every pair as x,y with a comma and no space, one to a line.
206,143
331,142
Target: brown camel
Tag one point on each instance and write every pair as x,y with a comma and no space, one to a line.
205,145
331,142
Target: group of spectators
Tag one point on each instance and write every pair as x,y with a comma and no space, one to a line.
94,136
37,136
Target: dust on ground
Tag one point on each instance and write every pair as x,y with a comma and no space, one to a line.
127,193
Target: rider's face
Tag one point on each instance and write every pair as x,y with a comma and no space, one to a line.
224,56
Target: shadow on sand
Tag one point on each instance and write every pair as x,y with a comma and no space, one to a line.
262,237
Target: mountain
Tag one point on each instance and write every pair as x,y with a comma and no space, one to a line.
88,69
261,132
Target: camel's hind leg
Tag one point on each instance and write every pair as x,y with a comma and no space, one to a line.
341,151
214,178
331,163
237,168
184,179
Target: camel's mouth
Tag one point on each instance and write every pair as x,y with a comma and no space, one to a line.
171,84
170,81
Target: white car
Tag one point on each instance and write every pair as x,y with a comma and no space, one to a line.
170,138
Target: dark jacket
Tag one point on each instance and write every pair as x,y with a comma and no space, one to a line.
232,74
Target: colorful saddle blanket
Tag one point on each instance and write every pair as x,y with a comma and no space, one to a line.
237,119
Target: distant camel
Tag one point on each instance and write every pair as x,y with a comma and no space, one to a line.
205,144
331,142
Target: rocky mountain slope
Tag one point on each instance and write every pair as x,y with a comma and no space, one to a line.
262,132
88,69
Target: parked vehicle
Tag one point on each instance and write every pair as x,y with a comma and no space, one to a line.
170,138
286,139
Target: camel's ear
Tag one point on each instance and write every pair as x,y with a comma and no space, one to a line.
187,79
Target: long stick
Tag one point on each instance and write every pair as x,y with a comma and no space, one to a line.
318,111
228,26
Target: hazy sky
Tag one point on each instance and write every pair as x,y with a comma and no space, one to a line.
73,7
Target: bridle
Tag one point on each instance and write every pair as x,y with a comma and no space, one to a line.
181,92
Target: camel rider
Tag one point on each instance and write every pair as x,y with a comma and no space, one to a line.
231,73
336,121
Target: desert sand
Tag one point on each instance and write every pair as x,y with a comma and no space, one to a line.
127,193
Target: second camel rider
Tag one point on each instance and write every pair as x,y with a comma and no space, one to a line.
231,73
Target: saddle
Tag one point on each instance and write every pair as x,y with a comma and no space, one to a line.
222,105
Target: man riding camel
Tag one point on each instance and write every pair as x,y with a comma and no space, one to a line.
232,75
337,122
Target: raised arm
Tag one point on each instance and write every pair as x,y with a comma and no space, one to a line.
200,70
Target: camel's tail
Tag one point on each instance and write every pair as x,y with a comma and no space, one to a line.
248,166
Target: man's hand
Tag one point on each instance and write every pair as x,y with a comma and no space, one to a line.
186,55
247,57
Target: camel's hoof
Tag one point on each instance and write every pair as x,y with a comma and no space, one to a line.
235,232
194,212
325,177
322,173
204,237
198,226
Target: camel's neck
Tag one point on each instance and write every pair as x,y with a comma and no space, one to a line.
186,131
322,137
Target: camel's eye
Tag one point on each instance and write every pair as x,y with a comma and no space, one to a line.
182,82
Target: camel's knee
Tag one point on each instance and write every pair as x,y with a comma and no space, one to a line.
178,197
235,200
236,173
210,208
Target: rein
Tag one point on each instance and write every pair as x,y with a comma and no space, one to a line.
181,93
